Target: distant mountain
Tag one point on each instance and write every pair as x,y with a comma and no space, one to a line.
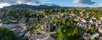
47,6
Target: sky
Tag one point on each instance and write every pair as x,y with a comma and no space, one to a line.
77,3
66,3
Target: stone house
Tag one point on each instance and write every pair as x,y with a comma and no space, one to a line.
48,27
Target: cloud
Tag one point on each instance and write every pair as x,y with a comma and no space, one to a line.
13,2
89,2
18,1
98,5
4,4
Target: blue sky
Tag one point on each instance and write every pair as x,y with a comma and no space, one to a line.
67,3
72,4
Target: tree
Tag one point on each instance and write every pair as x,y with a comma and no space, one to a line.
60,35
7,34
73,33
91,31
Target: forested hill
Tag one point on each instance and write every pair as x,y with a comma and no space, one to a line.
32,6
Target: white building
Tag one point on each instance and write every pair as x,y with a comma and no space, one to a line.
1,24
96,35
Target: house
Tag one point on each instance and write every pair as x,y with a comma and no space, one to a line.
86,36
23,28
100,18
72,14
81,13
22,20
14,21
40,37
1,24
17,29
49,37
81,24
100,29
77,18
37,37
91,21
48,27
62,14
100,38
31,36
31,19
27,35
89,26
96,35
93,18
98,22
84,21
58,16
96,25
